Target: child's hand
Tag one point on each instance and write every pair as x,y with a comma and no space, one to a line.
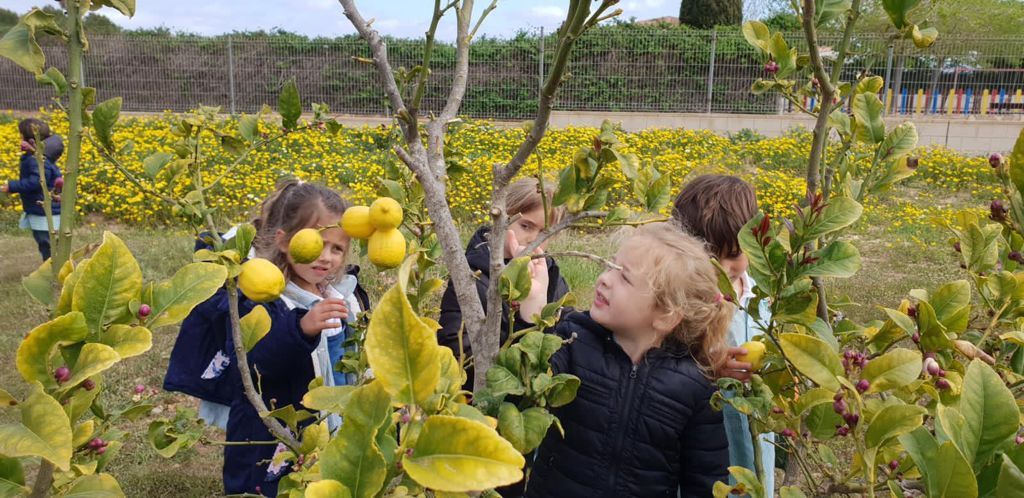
27,146
323,315
538,297
4,188
736,369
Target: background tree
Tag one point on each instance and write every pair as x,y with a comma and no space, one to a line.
705,14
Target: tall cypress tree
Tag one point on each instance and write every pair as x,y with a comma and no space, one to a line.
705,14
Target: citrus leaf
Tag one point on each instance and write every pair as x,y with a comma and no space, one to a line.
12,478
951,476
155,162
839,259
128,340
126,7
1011,480
95,486
104,117
332,399
353,457
1017,163
289,105
989,410
894,369
33,356
459,455
402,349
757,34
174,299
867,109
327,488
94,358
839,213
44,431
893,421
814,358
255,325
19,43
524,429
39,283
109,281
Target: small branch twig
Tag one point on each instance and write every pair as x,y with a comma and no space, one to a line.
551,231
578,254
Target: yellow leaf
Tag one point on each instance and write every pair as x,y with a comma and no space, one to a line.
109,281
457,455
402,349
127,340
328,488
83,432
255,325
44,431
33,357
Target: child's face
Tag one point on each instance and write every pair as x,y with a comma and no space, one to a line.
624,301
336,243
527,227
735,267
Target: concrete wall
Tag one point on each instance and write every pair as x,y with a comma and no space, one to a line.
972,135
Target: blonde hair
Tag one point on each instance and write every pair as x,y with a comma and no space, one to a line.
524,196
294,205
683,281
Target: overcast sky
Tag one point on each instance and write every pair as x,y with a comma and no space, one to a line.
405,18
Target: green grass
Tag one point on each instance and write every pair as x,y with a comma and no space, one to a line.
895,261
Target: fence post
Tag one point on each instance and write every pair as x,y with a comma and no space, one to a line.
711,68
540,64
231,74
888,75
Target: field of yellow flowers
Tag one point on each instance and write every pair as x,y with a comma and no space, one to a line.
355,158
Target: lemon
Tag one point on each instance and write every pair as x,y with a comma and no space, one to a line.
385,213
356,222
754,356
261,280
386,248
306,246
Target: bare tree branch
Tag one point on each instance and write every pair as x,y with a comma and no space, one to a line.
483,15
551,231
579,254
275,427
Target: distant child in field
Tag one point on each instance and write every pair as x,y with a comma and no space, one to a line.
715,208
641,424
525,204
310,323
29,186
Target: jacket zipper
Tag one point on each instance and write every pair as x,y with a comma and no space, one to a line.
624,424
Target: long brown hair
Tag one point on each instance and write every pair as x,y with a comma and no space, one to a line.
683,281
293,206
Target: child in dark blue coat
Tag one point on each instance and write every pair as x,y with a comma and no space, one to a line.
309,324
642,424
29,185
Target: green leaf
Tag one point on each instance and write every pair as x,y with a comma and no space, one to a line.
502,381
898,10
526,429
924,38
12,478
255,325
19,43
757,34
990,413
892,421
785,57
126,7
893,370
331,399
562,390
899,142
791,492
922,447
104,117
94,358
1017,163
812,398
44,431
840,259
54,78
515,280
128,340
872,84
353,457
1011,480
327,488
933,333
867,109
242,241
248,127
460,455
232,145
110,279
952,303
830,10
289,105
980,245
95,486
951,475
838,213
174,299
402,349
814,358
33,356
748,479
155,162
39,283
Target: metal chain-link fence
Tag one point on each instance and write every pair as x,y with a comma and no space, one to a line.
611,70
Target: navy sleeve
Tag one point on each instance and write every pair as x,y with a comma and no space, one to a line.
285,345
704,455
29,181
560,360
451,318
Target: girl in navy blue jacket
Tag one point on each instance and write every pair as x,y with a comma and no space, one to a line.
309,324
29,184
641,424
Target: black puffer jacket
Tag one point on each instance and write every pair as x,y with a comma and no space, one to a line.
638,431
479,256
